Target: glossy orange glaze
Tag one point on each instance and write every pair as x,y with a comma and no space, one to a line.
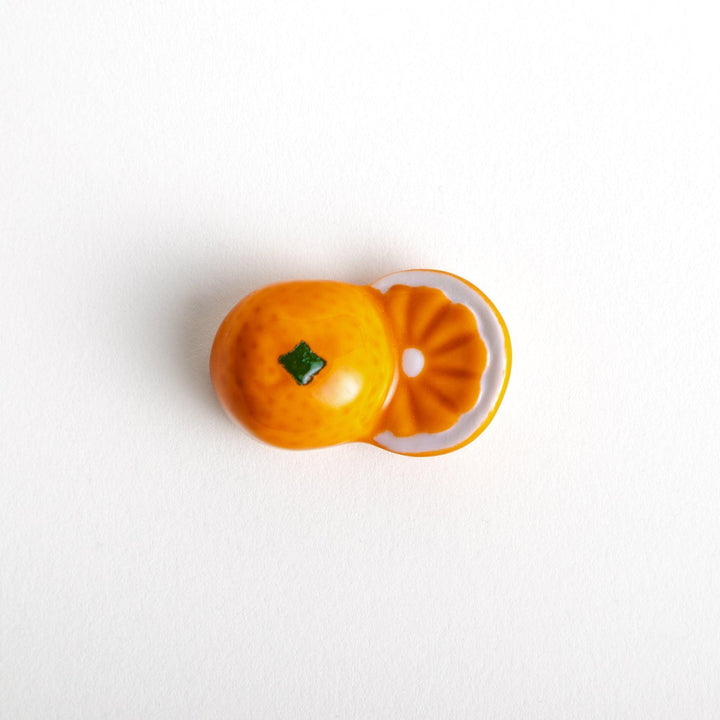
363,390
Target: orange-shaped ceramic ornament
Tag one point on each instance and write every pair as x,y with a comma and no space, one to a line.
416,363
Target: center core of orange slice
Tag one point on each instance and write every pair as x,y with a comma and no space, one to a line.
413,362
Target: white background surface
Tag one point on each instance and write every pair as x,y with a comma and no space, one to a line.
161,159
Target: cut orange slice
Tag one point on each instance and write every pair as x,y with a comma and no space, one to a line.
416,363
456,357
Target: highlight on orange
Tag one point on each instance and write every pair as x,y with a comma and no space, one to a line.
416,363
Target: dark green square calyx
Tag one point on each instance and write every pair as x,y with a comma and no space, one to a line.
302,363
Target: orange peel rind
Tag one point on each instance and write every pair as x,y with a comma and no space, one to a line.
416,363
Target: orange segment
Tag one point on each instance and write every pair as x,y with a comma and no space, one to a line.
448,385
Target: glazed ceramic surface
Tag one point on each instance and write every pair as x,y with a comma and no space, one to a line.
416,363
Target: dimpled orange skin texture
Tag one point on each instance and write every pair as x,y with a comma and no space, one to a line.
343,324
